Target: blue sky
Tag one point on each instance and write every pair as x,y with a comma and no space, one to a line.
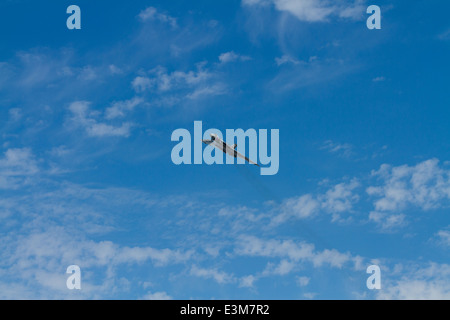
86,176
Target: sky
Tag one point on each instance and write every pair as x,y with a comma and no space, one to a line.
86,176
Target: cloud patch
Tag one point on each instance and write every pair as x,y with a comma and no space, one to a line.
83,117
314,10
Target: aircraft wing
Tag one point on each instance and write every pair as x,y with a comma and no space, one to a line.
233,152
220,144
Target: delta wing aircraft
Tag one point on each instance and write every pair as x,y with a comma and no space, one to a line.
231,150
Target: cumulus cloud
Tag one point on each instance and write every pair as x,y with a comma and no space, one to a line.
42,255
180,86
388,222
83,117
54,245
337,200
247,281
121,108
18,162
141,84
425,185
50,230
51,237
300,207
284,267
291,252
431,282
178,79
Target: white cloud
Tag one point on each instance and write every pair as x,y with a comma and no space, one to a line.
43,245
214,90
253,246
115,69
310,295
231,56
388,222
314,10
40,68
159,257
299,207
141,84
54,245
152,14
331,257
83,117
15,114
119,109
303,281
426,185
157,296
306,73
106,130
179,86
247,281
87,73
16,166
378,79
416,290
18,162
337,200
51,234
218,276
443,237
286,59
46,71
431,282
291,252
283,268
340,198
342,149
178,79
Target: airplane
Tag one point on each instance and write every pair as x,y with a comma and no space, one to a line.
220,144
